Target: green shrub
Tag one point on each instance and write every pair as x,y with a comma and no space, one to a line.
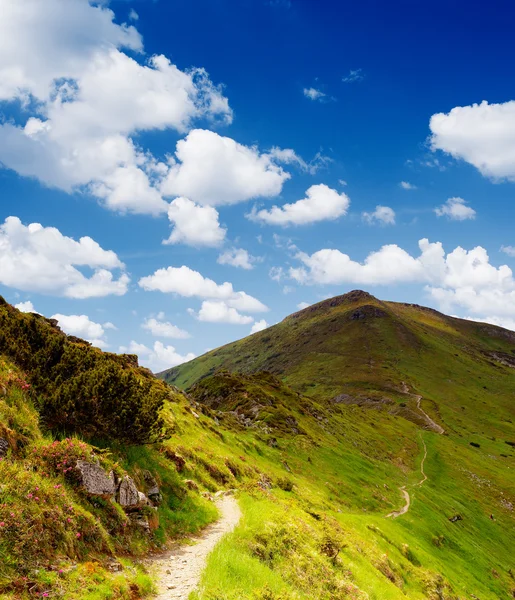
79,388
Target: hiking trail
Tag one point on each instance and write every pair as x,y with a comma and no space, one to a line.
433,427
178,572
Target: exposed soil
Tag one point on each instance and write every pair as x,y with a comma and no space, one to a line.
178,572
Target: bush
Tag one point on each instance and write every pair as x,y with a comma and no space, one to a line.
79,388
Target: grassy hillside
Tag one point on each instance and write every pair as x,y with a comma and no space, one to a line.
317,450
372,385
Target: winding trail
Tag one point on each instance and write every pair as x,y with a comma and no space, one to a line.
438,428
433,427
178,572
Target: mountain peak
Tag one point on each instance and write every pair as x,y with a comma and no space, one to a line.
352,297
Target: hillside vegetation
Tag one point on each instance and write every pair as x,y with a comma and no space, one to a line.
384,399
322,424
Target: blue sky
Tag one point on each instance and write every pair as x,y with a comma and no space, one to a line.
229,161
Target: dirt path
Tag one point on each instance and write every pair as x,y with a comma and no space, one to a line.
438,428
178,572
405,508
405,493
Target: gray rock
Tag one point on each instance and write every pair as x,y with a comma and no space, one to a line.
4,447
128,495
143,500
153,491
95,480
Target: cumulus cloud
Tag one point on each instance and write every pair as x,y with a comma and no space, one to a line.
83,327
158,358
259,326
482,135
188,283
26,307
41,259
219,311
65,59
462,278
384,215
158,327
321,204
303,305
193,224
456,209
314,94
237,257
406,185
214,170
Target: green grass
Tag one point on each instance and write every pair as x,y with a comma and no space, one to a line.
315,478
350,460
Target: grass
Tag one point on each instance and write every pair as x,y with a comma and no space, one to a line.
350,459
315,477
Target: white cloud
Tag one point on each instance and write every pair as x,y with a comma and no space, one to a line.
214,170
193,224
456,209
406,185
303,305
259,326
83,327
218,311
26,307
461,278
41,259
509,250
314,94
481,134
65,61
321,203
237,257
133,15
354,76
191,284
288,156
158,327
383,215
499,321
158,358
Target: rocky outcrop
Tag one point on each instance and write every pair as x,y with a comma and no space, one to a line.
153,491
128,494
95,480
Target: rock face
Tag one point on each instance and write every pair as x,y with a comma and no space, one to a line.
4,447
95,480
153,491
128,494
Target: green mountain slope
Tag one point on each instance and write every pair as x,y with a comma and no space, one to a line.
387,396
323,424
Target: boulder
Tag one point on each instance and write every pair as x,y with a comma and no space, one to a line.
153,491
4,447
143,500
95,480
128,494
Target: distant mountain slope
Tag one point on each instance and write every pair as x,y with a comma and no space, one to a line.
357,347
384,387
